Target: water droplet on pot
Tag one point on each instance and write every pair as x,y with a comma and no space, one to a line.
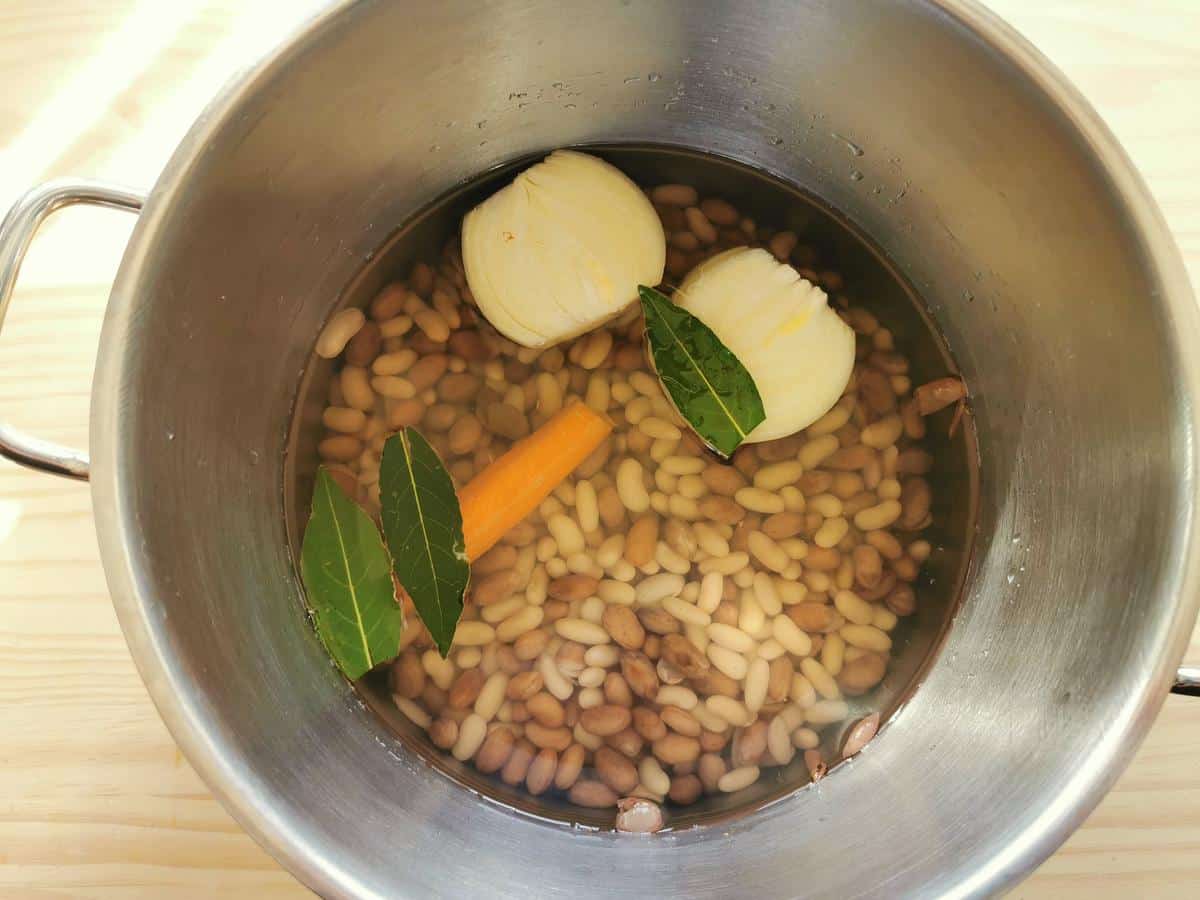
653,76
856,175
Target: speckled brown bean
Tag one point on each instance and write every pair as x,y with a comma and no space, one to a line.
464,434
519,760
676,748
876,391
465,690
685,789
616,691
628,742
471,346
862,673
812,617
714,741
546,709
657,620
616,770
721,509
495,751
570,764
868,565
642,540
612,510
408,676
605,720
541,772
493,588
458,387
722,479
710,768
749,745
389,302
364,346
524,685
680,721
543,737
902,601
648,723
594,794
530,645
639,674
443,733
780,680
714,682
573,587
915,500
781,526
623,626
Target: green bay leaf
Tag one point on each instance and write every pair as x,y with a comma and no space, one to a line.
422,522
708,384
348,576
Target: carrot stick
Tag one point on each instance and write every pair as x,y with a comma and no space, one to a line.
512,486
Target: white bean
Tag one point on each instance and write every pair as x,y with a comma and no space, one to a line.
566,534
491,695
676,695
652,775
766,595
775,476
820,678
442,671
519,623
788,633
712,588
750,615
630,487
779,741
683,465
659,429
732,711
652,590
759,501
581,631
337,332
730,637
685,612
755,690
618,592
412,711
767,551
728,662
471,733
394,363
554,680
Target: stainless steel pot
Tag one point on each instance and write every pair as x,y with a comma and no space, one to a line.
984,177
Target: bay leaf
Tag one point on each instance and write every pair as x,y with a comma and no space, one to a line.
422,523
708,384
348,576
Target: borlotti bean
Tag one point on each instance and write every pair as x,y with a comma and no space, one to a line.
665,626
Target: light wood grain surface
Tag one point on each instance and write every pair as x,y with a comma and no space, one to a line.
95,799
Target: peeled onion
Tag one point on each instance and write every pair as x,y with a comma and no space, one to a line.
780,326
562,249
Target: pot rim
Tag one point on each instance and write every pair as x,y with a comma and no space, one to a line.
216,758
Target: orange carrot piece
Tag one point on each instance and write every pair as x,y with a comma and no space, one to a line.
511,487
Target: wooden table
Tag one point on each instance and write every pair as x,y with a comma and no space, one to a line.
95,799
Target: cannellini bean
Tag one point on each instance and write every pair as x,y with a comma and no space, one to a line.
867,637
683,465
758,500
566,534
766,594
750,615
817,450
831,532
556,684
652,590
616,592
471,732
581,631
880,516
854,608
767,552
710,540
725,565
630,487
527,619
442,671
775,476
732,711
586,508
826,712
394,363
487,704
755,689
412,711
676,695
345,419
338,331
819,677
356,388
727,661
652,775
788,633
730,637
473,634
711,589
685,612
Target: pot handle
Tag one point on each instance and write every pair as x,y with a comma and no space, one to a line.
16,234
1187,681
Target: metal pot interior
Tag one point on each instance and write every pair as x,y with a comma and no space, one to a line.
982,184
